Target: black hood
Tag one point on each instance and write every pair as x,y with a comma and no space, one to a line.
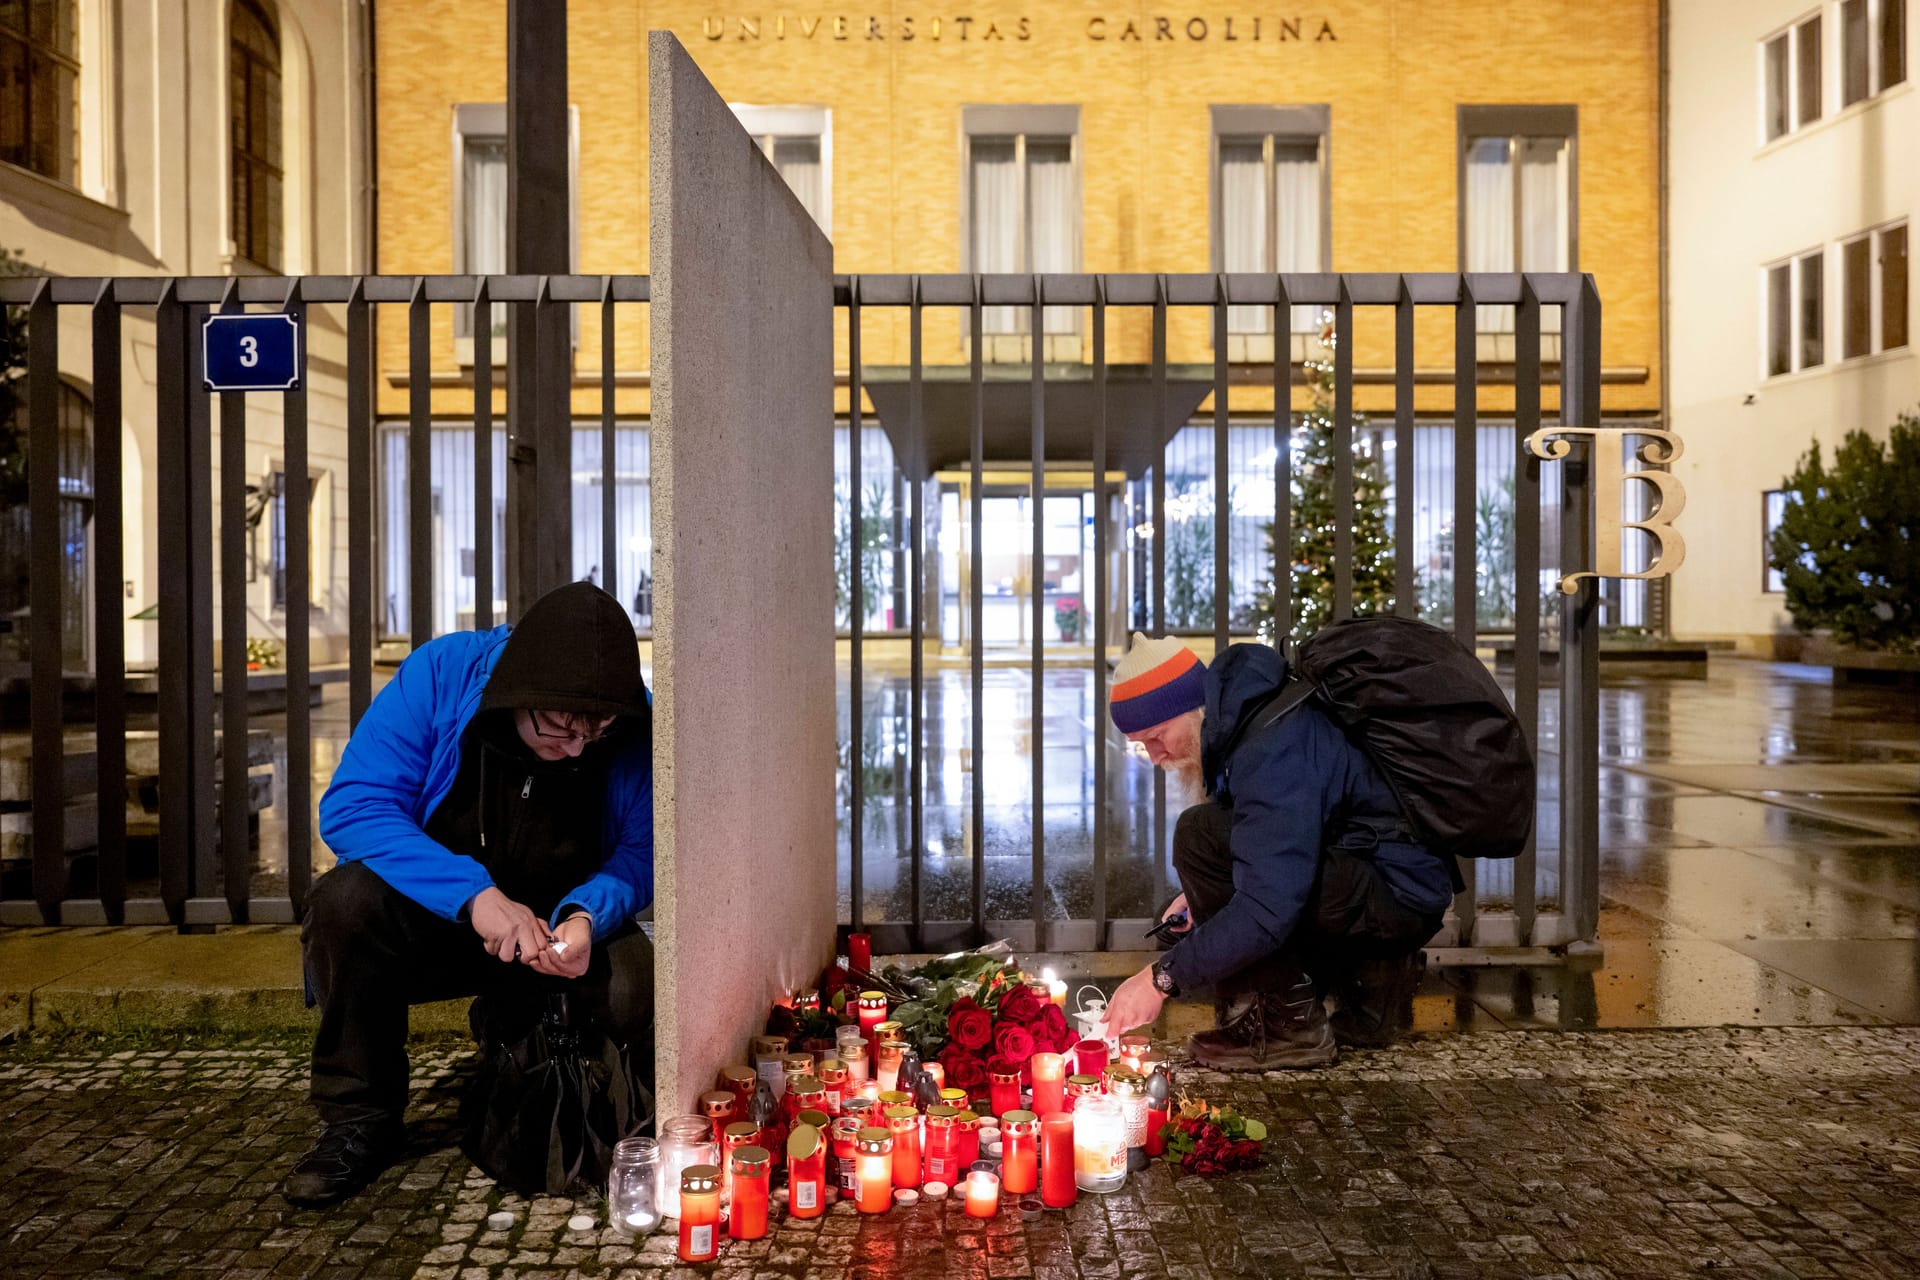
574,651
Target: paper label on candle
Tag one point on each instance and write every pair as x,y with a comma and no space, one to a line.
700,1240
806,1195
937,1168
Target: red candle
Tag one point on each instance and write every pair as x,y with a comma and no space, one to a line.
806,1172
874,1157
942,1162
804,1093
1156,1121
752,1169
983,1194
846,1132
699,1213
832,1075
1003,1088
741,1081
1020,1152
904,1122
939,1074
1079,1087
1057,1190
860,952
1090,1057
872,1011
967,1149
739,1136
719,1106
1049,1083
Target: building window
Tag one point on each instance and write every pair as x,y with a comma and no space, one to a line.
1873,292
1873,48
253,111
76,523
1773,509
40,88
1270,209
798,142
480,211
1790,78
1517,207
1023,212
1795,327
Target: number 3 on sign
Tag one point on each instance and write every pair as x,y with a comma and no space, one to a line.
249,351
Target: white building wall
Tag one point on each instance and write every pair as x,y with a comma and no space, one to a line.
1736,204
153,201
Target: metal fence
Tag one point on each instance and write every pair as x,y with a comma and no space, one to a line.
205,863
1509,913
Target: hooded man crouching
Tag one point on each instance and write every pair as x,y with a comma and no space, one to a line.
1299,876
493,820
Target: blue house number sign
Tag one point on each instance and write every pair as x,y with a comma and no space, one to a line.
251,352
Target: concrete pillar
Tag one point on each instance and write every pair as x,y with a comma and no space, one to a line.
743,581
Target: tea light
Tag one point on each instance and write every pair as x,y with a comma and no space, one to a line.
983,1194
1090,1057
906,1197
502,1221
1132,1047
934,1191
939,1074
1049,1083
582,1222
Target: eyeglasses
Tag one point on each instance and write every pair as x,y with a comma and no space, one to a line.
569,727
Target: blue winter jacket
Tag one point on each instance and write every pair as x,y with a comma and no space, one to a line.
402,759
1297,787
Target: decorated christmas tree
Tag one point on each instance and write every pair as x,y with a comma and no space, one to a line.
1314,516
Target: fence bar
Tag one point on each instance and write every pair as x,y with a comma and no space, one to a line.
48,642
1465,553
1406,591
1222,500
1343,453
359,504
856,616
482,330
1101,723
1037,585
1526,574
978,604
235,862
552,406
110,613
609,486
1580,624
299,639
1161,872
917,612
173,494
419,470
1282,466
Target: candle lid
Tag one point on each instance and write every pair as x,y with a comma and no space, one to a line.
1019,1117
874,1139
718,1098
902,1111
970,1119
871,997
853,1051
805,1084
771,1046
742,1074
958,1097
943,1115
906,1197
752,1159
896,1098
934,1191
1127,1081
827,1067
1084,1081
893,1047
818,1119
743,1130
700,1177
803,1142
798,1064
855,1105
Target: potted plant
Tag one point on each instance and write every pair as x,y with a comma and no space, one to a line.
1069,617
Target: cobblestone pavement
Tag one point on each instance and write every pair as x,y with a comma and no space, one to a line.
1742,1152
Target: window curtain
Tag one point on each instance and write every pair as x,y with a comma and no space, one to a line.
1490,227
1243,224
485,223
1543,213
994,221
1296,187
1055,221
798,160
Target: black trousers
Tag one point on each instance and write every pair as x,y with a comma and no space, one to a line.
371,952
1351,916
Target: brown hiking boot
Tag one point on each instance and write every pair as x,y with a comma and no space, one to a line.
1284,1031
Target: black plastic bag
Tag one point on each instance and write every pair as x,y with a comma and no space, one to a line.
547,1107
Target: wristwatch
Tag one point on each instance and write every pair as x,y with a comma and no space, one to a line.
1163,981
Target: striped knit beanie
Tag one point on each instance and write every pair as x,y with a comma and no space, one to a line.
1156,681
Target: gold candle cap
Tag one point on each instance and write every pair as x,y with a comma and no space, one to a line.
757,1159
742,1129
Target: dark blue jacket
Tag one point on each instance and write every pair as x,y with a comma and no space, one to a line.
1297,787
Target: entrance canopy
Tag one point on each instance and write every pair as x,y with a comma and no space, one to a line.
1133,442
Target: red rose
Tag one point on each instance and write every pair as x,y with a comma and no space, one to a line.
1013,1042
966,1072
968,1025
1021,1005
1053,1021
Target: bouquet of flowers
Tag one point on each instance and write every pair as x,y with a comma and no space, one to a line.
1212,1140
999,1026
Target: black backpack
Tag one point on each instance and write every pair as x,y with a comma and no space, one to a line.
1434,722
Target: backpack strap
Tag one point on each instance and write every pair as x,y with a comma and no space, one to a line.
1294,692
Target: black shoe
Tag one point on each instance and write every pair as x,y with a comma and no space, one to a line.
1376,1001
1286,1030
345,1159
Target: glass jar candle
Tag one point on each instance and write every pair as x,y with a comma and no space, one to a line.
967,1147
1079,1087
983,1194
804,1093
798,1064
739,1081
1090,1057
884,1031
806,1171
818,1119
841,1167
721,1107
940,1160
1057,1189
1099,1144
1003,1088
903,1121
752,1170
1132,1046
871,1010
739,1135
633,1185
854,1055
953,1097
699,1212
832,1075
1130,1088
886,1064
1020,1152
684,1141
873,1159
1049,1083
769,1055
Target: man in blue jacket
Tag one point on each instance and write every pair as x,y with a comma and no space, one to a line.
492,817
1299,876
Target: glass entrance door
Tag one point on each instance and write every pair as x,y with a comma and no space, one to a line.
1007,573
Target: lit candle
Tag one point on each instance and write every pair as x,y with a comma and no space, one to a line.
886,1064
872,1011
939,1074
967,1149
832,1075
752,1171
699,1213
1099,1144
1049,1083
869,1090
804,1093
739,1135
860,952
1080,1088
1159,1092
809,1002
904,1122
769,1055
1056,990
1020,1152
1090,1057
1132,1047
1057,1190
983,1194
1130,1087
854,1055
806,1172
942,1154
1003,1088
845,1168
873,1154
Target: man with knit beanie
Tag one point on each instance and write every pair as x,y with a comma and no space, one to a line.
1299,876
